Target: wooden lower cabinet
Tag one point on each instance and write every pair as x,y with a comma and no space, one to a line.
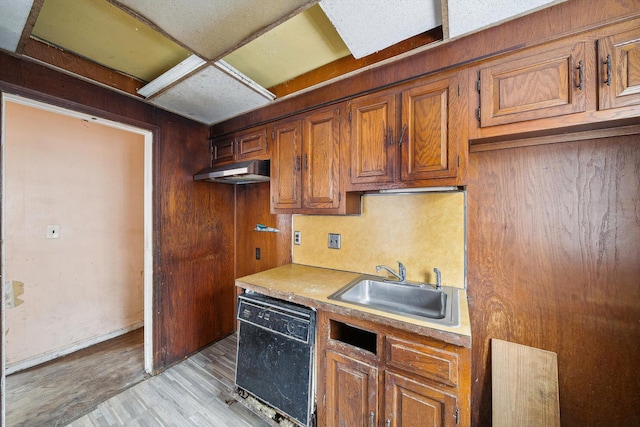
353,387
372,375
409,403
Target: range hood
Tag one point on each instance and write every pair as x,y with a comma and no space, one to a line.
236,173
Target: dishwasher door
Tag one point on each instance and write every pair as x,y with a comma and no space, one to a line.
276,355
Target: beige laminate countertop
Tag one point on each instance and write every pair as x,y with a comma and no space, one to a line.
311,286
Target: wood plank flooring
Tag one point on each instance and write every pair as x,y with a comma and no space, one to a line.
57,392
195,392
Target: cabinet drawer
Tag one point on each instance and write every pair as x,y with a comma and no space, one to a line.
423,360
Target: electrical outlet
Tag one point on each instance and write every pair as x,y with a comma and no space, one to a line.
297,236
334,241
257,253
53,231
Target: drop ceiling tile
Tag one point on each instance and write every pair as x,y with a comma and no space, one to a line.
298,45
212,28
12,20
105,34
211,95
466,16
368,26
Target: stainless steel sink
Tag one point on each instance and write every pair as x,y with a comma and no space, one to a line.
407,298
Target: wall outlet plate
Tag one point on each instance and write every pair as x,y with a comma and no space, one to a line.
297,236
53,231
334,241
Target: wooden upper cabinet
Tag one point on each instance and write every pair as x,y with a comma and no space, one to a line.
249,144
533,86
286,170
431,126
619,70
372,124
352,392
222,149
321,160
252,143
305,167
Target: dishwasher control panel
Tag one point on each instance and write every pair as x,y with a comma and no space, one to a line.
278,316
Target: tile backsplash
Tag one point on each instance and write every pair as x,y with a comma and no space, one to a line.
422,230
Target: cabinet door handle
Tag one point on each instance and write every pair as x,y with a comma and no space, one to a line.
388,422
306,163
390,135
404,128
372,419
297,167
580,74
608,64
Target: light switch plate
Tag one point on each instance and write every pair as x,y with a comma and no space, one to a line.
334,241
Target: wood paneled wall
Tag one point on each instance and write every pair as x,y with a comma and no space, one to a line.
193,229
554,263
253,207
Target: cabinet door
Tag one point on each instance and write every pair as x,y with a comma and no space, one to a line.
223,149
429,131
533,86
373,120
412,404
286,166
619,80
352,392
252,143
321,160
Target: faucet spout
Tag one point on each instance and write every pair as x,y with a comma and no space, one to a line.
401,275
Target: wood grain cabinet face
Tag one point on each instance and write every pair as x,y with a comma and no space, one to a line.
619,70
252,144
286,169
533,86
352,387
321,160
372,119
305,171
246,145
411,403
429,134
223,149
414,381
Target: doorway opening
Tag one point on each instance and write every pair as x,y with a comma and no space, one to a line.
67,293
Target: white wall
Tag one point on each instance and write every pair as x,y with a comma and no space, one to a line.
88,179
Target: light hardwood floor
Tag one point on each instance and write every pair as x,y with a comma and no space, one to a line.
195,392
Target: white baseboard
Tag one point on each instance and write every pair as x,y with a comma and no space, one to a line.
46,357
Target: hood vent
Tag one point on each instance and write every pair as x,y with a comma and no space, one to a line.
248,172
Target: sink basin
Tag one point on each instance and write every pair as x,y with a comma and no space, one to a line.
407,299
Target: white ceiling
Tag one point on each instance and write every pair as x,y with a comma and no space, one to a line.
209,91
372,25
12,20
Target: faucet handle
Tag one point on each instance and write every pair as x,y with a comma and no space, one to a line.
402,270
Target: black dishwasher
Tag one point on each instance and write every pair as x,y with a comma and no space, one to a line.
276,354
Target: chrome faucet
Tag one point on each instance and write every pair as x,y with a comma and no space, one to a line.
401,275
438,284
